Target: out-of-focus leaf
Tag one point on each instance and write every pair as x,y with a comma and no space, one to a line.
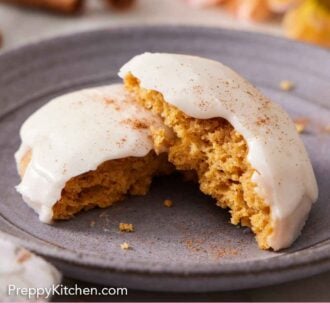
309,22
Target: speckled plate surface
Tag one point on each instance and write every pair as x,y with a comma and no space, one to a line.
191,246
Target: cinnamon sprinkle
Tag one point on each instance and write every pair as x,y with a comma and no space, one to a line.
23,255
136,124
265,120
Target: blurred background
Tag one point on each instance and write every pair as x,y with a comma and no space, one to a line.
22,21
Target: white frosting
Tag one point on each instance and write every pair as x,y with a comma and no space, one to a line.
74,134
203,89
21,269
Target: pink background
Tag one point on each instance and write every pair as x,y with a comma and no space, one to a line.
160,316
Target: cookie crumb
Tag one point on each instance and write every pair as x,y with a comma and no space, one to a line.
301,124
168,203
126,227
287,85
125,246
300,127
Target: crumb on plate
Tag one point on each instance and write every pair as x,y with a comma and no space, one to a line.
287,85
300,127
126,227
301,124
125,246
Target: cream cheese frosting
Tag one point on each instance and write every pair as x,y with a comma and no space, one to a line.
20,268
74,134
203,89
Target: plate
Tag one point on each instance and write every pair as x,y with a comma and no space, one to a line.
191,246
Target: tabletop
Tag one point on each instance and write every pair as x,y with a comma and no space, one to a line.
21,26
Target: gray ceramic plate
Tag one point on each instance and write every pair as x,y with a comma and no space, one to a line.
191,246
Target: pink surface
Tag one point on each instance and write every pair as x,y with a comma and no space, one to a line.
158,316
